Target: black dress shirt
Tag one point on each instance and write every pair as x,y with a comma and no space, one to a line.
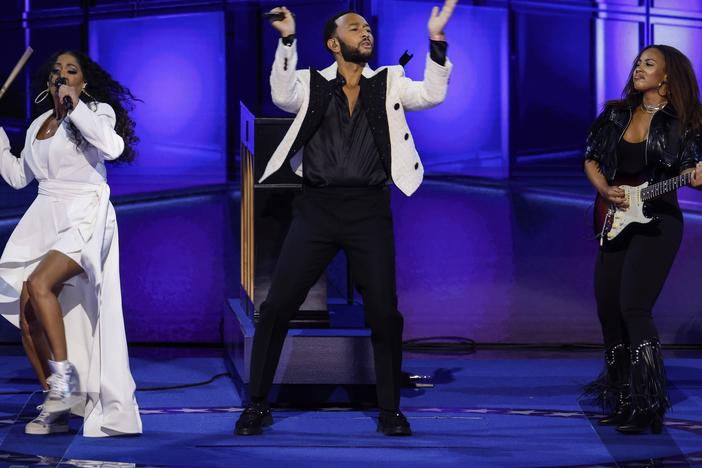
342,153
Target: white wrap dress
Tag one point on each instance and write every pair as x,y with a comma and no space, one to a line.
73,215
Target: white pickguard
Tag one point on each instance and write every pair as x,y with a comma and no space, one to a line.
633,214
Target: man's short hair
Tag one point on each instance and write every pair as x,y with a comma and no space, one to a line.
330,26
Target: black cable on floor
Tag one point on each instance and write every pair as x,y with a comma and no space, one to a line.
188,385
440,345
463,345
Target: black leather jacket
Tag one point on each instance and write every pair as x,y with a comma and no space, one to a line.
668,150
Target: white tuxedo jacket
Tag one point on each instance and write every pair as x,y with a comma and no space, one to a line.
291,90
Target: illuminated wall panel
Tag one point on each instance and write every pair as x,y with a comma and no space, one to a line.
618,44
552,99
687,39
176,65
467,133
685,5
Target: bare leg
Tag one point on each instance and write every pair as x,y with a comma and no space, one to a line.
34,339
42,285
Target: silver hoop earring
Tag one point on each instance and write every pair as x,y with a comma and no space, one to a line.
41,96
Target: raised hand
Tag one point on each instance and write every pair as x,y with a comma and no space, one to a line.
286,26
438,20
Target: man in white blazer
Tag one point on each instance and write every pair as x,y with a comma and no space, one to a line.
351,134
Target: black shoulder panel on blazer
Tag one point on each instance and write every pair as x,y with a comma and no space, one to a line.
320,95
373,95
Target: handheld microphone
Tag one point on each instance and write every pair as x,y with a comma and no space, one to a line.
273,16
67,101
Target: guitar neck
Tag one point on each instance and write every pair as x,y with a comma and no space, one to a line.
661,188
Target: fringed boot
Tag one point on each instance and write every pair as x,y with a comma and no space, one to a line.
611,389
649,398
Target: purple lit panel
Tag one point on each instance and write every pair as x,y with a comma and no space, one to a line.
688,5
618,44
176,65
467,133
686,39
552,66
605,4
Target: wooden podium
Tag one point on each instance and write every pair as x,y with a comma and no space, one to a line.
327,356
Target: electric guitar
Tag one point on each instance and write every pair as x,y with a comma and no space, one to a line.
611,221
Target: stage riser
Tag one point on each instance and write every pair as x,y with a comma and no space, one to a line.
322,359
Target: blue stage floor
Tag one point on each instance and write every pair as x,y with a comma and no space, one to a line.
492,408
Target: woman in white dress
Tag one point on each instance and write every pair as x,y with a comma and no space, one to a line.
59,272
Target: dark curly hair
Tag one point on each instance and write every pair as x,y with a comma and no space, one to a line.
100,87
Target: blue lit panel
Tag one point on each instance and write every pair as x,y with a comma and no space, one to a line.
684,38
466,134
687,40
685,5
618,44
176,65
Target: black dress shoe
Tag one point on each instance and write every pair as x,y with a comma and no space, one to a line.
393,423
255,417
640,421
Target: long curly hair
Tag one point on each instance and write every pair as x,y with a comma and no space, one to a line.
683,90
100,87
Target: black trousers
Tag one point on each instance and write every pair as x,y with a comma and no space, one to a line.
359,222
629,276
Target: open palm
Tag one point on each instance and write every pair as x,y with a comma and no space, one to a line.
438,19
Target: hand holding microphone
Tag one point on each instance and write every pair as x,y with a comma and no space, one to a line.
66,94
281,19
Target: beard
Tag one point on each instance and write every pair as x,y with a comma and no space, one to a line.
354,54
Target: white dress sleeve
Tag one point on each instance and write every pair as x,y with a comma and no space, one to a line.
98,128
14,170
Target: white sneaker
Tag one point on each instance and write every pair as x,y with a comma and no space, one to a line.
64,388
47,423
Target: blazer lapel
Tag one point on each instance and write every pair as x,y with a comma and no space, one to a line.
373,95
321,91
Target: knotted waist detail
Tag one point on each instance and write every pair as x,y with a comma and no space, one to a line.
68,190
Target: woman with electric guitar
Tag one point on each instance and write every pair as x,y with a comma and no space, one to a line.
639,151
